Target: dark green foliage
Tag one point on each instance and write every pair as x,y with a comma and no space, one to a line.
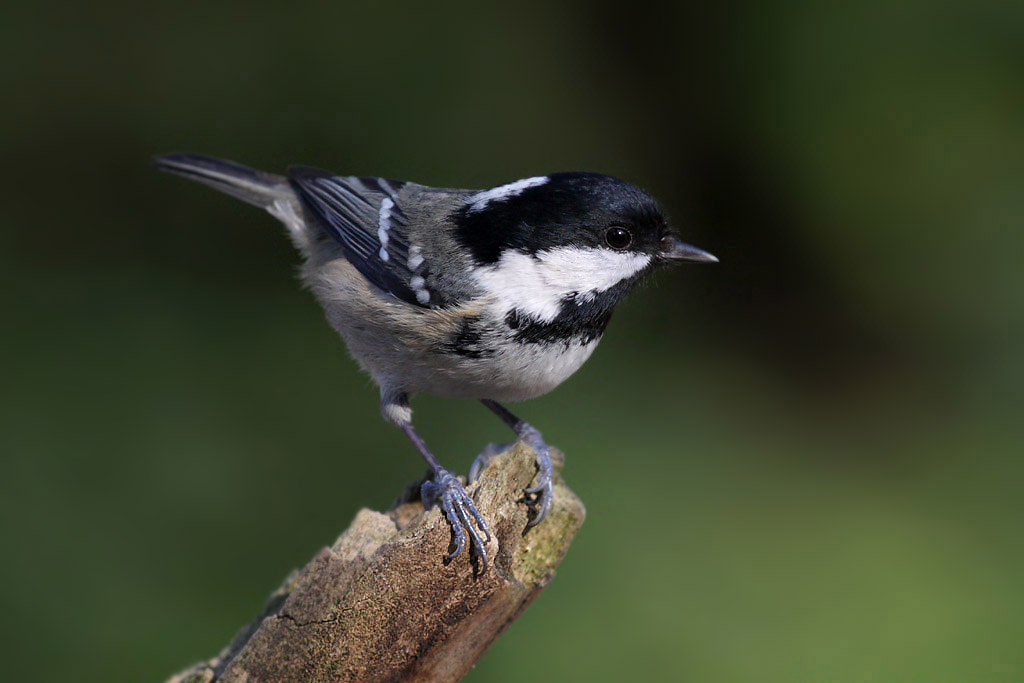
802,463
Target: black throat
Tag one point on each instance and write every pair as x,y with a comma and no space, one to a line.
580,319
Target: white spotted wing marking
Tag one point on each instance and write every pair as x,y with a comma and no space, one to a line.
419,285
383,225
365,216
418,282
415,257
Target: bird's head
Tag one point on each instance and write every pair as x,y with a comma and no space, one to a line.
542,242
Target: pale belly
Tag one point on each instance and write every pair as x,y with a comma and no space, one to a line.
517,373
410,350
508,371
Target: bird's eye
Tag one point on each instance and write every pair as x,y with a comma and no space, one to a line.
618,238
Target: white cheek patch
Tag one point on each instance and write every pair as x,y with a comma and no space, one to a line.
537,285
503,192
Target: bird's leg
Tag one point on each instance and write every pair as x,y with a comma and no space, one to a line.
540,493
444,490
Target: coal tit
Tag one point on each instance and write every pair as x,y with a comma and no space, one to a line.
496,295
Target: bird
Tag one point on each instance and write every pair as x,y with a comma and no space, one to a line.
496,295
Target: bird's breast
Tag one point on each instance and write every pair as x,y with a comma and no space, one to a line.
517,371
509,355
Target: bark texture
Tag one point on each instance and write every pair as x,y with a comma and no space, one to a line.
380,604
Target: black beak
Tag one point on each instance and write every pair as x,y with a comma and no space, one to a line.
674,249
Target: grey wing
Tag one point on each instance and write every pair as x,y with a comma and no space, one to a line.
366,218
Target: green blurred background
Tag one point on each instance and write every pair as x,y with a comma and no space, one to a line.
802,464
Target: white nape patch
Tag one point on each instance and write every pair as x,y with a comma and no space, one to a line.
383,225
503,192
537,285
415,257
419,286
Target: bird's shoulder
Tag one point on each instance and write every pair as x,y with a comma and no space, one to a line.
390,230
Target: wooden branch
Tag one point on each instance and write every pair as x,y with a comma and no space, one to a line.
381,604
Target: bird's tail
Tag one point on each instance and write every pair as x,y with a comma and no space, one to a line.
252,186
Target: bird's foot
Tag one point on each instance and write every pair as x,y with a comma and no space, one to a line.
481,461
538,496
446,491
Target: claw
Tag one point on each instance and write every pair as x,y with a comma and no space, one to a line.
543,491
459,540
486,455
460,511
538,496
540,486
541,504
